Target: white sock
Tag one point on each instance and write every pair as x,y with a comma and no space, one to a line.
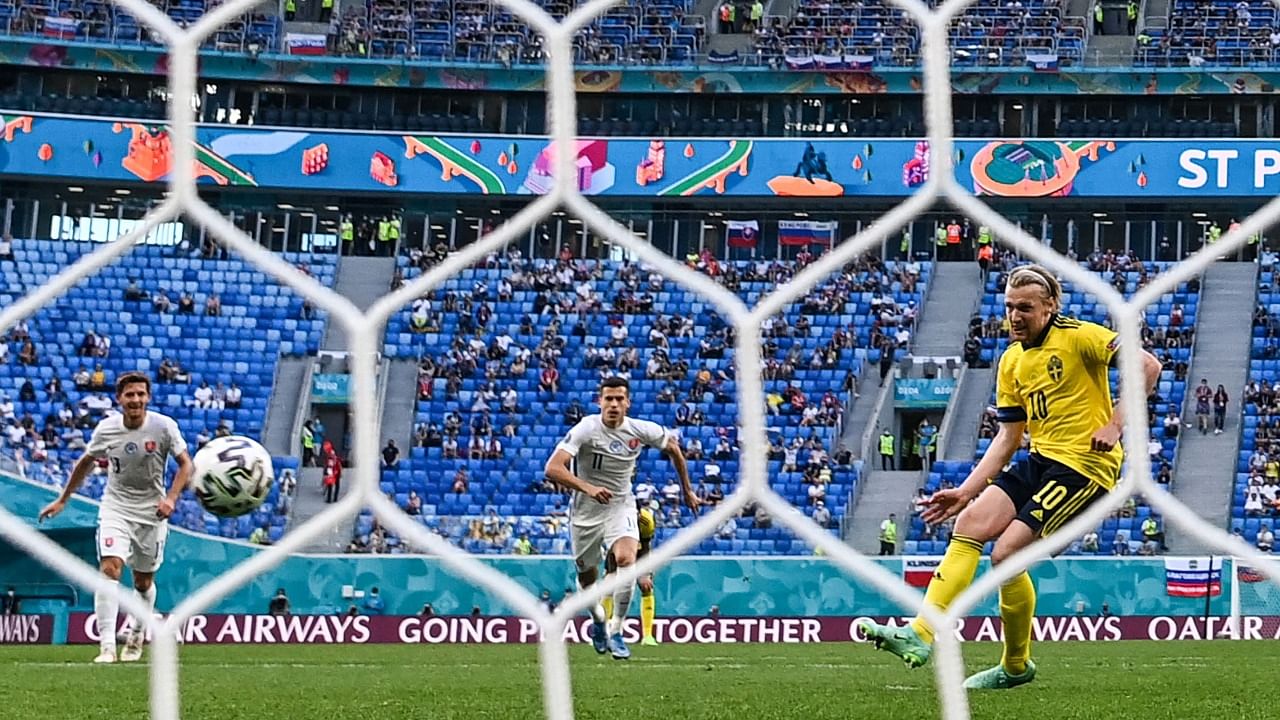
148,599
106,607
621,603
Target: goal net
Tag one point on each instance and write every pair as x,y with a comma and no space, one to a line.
364,331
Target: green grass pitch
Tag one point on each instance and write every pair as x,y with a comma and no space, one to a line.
1089,681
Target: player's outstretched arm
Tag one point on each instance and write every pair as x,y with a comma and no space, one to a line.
181,479
558,472
676,455
1108,436
78,474
946,504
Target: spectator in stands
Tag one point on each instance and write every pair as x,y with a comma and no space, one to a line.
390,455
259,536
821,515
53,389
413,506
4,351
461,481
523,546
233,396
186,304
1220,400
1266,539
203,395
1120,546
1172,423
10,604
449,447
1151,532
6,247
727,530
1089,543
549,380
1204,399
160,302
279,604
27,354
27,393
88,345
213,306
133,291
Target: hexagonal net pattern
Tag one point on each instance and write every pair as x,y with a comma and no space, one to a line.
365,331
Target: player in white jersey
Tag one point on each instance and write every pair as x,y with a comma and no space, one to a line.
603,511
133,516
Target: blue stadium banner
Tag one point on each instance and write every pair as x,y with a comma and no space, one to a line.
329,161
922,392
330,388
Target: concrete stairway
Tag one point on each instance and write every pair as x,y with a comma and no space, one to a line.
955,293
1206,464
289,388
961,437
308,502
883,492
362,280
400,403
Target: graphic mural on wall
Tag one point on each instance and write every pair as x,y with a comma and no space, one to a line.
105,150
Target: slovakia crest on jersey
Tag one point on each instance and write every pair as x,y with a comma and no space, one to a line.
130,448
615,446
150,446
633,443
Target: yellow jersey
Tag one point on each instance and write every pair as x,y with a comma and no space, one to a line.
1058,385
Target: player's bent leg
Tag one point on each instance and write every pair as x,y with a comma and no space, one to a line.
986,518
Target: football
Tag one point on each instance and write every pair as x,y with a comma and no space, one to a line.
232,475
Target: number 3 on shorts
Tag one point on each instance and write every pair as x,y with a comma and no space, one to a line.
1050,495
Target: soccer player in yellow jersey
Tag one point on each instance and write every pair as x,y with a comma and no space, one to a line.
647,527
1053,383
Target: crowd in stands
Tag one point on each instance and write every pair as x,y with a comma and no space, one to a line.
502,388
62,362
104,22
1214,32
637,32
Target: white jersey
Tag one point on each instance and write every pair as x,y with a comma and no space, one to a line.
136,462
606,457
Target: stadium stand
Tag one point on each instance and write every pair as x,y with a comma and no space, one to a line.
258,320
559,311
1168,340
1257,483
104,22
1240,33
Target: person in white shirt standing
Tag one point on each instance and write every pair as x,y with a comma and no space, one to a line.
602,450
133,516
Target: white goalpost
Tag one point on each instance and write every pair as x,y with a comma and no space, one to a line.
365,333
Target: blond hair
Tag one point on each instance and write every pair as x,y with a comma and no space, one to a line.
1025,275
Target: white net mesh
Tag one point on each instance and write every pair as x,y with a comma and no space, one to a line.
365,332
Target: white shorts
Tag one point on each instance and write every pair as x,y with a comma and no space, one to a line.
140,545
591,539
